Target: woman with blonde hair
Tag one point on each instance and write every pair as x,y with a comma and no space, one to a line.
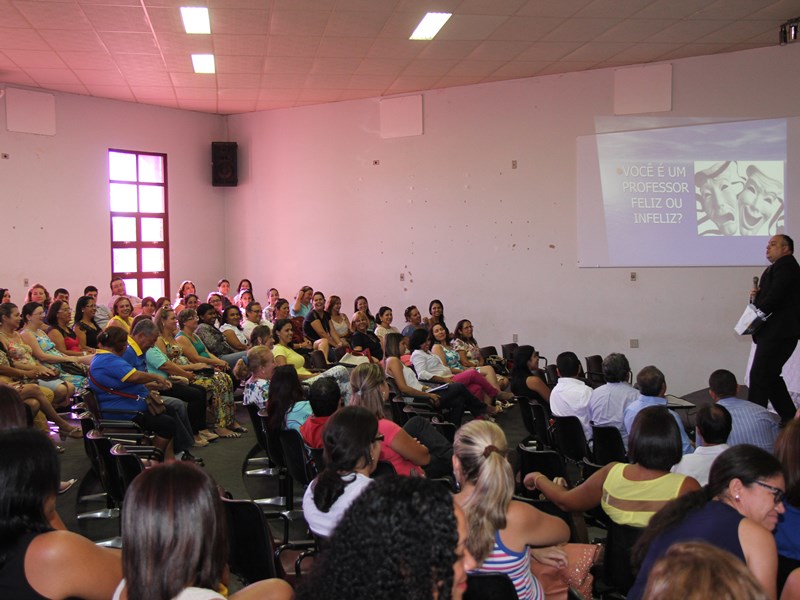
500,529
410,449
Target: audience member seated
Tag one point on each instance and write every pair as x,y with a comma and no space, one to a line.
500,529
118,288
232,330
190,300
698,571
187,287
224,290
630,494
787,535
38,293
413,449
121,314
317,326
385,326
20,355
185,402
102,314
325,399
41,559
439,337
64,338
256,368
752,424
242,299
120,387
44,350
262,336
363,339
168,351
176,540
5,295
413,321
608,402
452,397
302,302
352,446
436,312
252,319
362,304
286,408
469,353
737,512
273,295
215,300
214,339
525,378
86,327
570,397
713,426
299,341
149,306
285,355
339,321
416,538
430,368
244,284
652,391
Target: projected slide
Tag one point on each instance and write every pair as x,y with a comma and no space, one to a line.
699,195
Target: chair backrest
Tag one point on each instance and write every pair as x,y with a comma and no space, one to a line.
490,586
548,507
569,439
540,421
608,446
487,351
551,374
273,442
251,549
317,359
100,447
129,466
297,460
547,462
594,370
258,426
617,571
318,456
508,350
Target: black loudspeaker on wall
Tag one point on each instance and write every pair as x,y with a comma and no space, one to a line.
223,164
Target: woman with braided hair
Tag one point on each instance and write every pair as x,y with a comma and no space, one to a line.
401,539
501,529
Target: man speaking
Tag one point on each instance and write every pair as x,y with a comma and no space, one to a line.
778,296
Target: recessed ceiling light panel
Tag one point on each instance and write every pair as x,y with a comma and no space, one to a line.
195,19
430,25
203,63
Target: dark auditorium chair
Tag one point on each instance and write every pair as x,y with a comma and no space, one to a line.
490,586
608,446
594,371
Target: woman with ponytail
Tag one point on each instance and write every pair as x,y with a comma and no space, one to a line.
500,529
352,446
737,511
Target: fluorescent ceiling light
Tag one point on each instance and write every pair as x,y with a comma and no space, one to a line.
430,25
203,63
195,19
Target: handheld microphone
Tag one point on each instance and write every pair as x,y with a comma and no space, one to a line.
755,282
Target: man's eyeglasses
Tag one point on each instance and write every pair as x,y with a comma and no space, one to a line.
777,493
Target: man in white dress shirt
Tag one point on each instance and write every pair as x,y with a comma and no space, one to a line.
713,426
570,397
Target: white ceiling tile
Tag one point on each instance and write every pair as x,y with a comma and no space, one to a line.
412,84
565,67
140,62
21,39
184,43
280,81
356,24
298,22
288,64
470,27
129,19
382,66
232,107
395,48
233,93
239,22
18,77
610,9
178,63
285,45
552,8
528,29
145,91
490,7
130,43
595,51
47,77
54,15
519,68
308,5
688,50
198,105
688,31
371,82
580,30
731,9
779,9
475,68
741,30
498,50
116,92
448,81
547,51
401,24
147,78
327,82
358,94
645,52
73,41
634,30
240,45
239,64
35,59
195,93
319,95
238,80
428,68
444,49
10,16
344,47
335,66
273,95
166,19
100,77
70,88
670,9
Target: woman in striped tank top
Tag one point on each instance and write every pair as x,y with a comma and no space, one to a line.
500,529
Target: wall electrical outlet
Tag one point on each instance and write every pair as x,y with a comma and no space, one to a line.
634,343
633,275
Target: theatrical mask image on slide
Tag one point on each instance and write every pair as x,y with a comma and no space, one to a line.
691,195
